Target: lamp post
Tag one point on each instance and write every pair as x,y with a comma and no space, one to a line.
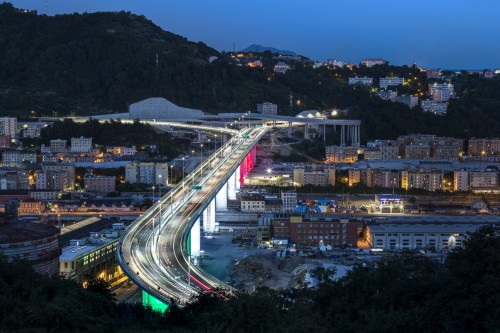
183,166
201,160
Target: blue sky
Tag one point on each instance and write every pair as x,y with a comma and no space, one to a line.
453,34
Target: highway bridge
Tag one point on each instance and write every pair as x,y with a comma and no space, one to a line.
159,250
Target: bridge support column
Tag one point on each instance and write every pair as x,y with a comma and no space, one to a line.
221,199
195,239
239,179
209,217
199,135
231,186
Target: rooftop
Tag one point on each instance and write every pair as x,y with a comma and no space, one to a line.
18,232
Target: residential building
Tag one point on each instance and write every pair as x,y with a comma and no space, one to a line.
255,64
372,62
8,126
252,203
81,145
45,195
14,180
433,73
461,181
411,101
388,151
333,62
102,184
15,158
387,95
281,68
391,81
58,146
361,80
484,147
483,179
338,154
267,108
30,207
147,173
385,178
5,141
69,182
372,153
319,228
423,232
289,200
418,151
314,174
438,108
430,180
441,92
32,130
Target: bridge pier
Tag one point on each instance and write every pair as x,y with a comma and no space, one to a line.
195,239
231,186
239,179
221,199
209,217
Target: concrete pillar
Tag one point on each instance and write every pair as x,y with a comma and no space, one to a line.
221,199
238,179
195,239
209,217
342,133
231,186
254,149
199,135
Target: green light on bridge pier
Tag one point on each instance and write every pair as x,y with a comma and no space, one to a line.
153,302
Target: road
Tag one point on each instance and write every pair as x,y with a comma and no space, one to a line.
153,251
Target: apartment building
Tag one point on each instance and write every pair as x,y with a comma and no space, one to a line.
101,184
368,81
430,180
8,126
391,81
314,174
267,108
338,154
81,145
147,173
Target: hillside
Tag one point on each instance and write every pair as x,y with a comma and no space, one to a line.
260,49
86,64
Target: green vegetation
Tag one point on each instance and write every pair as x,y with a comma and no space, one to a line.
112,133
88,64
409,293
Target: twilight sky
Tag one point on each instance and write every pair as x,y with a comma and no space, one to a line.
450,34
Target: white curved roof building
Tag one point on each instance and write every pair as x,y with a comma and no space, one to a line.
160,108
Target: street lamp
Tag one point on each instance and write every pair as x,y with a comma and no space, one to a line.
183,166
201,160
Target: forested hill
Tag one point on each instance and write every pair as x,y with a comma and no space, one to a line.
86,64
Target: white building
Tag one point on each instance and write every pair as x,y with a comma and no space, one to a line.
147,173
391,81
32,130
281,68
160,108
81,145
289,200
387,95
333,62
424,232
438,108
361,80
16,158
8,126
441,92
267,108
372,62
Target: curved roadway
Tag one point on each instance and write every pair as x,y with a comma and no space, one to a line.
153,250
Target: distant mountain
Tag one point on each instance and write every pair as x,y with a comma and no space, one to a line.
260,48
